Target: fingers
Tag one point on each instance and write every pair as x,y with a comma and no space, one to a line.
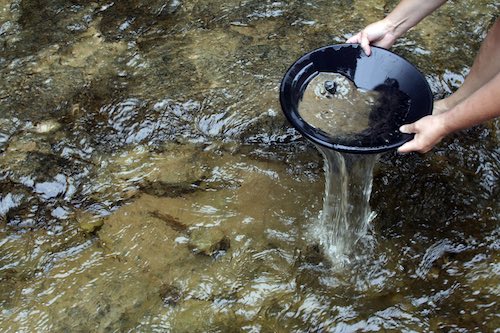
362,39
414,146
421,143
406,148
409,146
354,39
365,43
408,129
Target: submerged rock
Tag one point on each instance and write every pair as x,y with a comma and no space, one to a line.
89,223
171,190
25,143
170,294
170,221
44,127
209,241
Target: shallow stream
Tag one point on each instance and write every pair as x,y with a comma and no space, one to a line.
149,182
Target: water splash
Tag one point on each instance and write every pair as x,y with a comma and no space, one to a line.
345,219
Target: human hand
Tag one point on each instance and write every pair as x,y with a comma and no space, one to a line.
429,131
379,33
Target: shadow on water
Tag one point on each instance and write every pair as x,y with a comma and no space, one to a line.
148,181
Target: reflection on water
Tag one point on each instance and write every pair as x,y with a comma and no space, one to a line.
148,181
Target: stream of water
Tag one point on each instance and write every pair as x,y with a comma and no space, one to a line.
344,225
150,183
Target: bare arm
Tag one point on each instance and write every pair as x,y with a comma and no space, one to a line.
385,32
480,106
409,12
477,100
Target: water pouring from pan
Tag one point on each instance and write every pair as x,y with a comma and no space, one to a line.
351,107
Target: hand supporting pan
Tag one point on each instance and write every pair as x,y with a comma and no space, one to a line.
402,96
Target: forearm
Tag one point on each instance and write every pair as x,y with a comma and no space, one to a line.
482,105
409,12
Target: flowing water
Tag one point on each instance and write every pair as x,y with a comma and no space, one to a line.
344,230
149,182
332,103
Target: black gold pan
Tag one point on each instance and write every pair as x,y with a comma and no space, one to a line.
383,71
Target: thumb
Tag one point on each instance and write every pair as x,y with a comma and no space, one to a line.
408,128
408,147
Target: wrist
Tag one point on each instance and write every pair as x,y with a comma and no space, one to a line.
444,123
396,26
393,28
